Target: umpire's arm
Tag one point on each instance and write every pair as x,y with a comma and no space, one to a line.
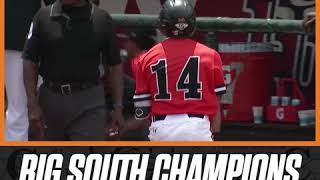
30,58
111,59
30,55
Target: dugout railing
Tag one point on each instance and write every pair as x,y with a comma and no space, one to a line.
212,25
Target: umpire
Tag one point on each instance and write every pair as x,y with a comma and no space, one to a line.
65,45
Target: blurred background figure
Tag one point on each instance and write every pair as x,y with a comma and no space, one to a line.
96,2
309,22
138,42
18,17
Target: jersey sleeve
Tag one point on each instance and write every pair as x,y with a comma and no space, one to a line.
219,84
142,97
31,51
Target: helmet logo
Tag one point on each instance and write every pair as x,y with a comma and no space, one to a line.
181,26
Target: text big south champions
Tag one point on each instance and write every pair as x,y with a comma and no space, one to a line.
161,167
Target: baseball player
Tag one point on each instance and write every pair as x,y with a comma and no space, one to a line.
178,81
18,15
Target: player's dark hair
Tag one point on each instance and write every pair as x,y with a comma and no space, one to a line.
144,38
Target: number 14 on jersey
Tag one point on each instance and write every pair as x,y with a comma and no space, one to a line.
188,81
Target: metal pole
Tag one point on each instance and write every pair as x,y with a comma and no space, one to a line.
218,24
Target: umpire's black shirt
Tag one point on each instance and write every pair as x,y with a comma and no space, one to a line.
69,42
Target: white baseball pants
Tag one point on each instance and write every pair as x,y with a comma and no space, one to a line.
16,121
181,127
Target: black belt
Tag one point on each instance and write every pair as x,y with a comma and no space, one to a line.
162,117
69,88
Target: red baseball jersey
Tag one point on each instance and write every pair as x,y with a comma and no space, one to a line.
180,76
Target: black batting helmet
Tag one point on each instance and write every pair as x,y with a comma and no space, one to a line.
177,19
